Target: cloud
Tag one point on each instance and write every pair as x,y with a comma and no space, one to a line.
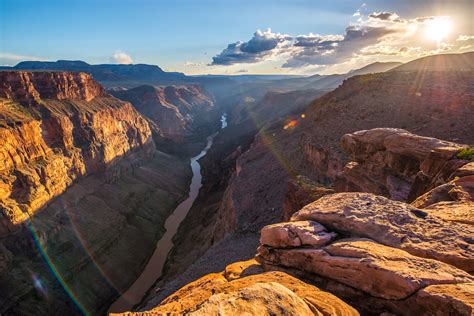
463,38
384,16
378,36
332,49
193,64
263,44
9,59
120,57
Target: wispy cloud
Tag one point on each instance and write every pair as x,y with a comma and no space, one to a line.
193,64
120,57
9,59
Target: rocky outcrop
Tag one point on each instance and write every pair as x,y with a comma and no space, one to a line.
376,252
55,128
394,224
382,255
397,164
243,289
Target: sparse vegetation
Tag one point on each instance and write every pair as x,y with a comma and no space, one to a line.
466,153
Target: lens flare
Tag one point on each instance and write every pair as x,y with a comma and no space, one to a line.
290,124
37,282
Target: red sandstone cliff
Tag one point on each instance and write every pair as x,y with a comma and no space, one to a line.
56,127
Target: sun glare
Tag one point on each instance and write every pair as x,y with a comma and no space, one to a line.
438,29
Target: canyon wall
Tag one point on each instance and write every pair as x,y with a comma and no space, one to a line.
84,193
180,116
57,127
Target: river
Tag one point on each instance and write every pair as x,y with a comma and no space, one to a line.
154,267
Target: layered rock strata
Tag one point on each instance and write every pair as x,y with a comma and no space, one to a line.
56,127
376,252
398,164
84,194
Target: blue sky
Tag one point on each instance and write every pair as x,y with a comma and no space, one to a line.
185,35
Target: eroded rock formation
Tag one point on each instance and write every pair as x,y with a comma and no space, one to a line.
174,110
83,193
244,289
398,164
55,128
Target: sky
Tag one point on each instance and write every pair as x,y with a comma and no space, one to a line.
234,36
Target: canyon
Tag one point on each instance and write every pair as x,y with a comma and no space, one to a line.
349,196
82,181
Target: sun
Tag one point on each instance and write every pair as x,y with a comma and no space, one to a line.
438,29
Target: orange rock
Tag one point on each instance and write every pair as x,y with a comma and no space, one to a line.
74,129
379,270
394,224
258,294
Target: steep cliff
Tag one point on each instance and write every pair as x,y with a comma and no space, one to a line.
84,193
55,128
173,109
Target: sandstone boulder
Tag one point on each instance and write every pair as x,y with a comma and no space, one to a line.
394,224
269,293
459,190
363,144
379,270
258,299
296,234
445,299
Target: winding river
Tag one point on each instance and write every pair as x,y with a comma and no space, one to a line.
154,267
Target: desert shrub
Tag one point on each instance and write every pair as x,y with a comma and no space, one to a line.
466,153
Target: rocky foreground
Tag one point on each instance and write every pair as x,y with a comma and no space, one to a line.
361,252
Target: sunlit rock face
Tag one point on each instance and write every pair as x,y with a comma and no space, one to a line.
28,87
243,289
56,127
390,256
83,193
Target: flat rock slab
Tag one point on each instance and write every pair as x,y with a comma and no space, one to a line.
376,269
447,299
394,224
462,212
296,234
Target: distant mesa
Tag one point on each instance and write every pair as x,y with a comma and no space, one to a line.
112,75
